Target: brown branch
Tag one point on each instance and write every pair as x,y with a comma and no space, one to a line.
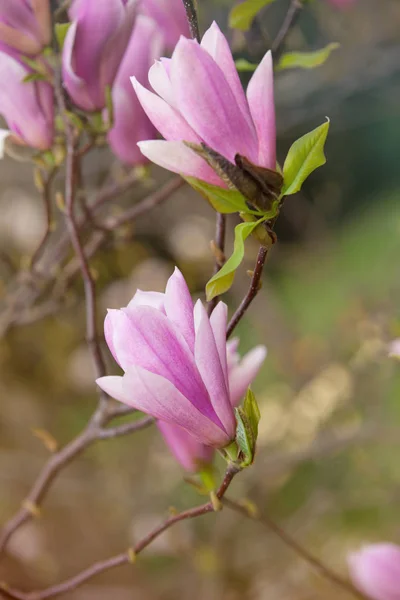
46,195
124,558
252,513
191,15
125,428
252,291
289,21
220,231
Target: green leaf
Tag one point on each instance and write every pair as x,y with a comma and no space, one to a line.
222,281
61,32
242,15
244,65
34,77
304,156
252,411
306,60
222,200
244,437
35,65
247,419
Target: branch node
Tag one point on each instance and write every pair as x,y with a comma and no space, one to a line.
216,502
32,508
132,556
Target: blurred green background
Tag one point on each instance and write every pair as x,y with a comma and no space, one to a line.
327,465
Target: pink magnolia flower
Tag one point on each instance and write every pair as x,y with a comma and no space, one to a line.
170,17
198,97
93,49
192,455
25,26
131,123
27,107
375,571
175,362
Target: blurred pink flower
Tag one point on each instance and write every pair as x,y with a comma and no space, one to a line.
375,571
198,97
192,455
93,49
175,362
27,107
131,123
170,17
394,348
25,26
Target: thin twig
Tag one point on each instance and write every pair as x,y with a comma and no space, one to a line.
125,428
191,15
73,228
124,558
252,291
220,231
252,513
46,195
289,21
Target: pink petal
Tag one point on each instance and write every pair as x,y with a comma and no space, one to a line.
218,322
144,337
218,48
207,102
159,398
160,82
209,366
166,119
178,158
179,306
375,570
260,96
187,450
232,354
242,375
111,316
154,299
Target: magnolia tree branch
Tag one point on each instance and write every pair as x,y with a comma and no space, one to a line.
95,430
127,557
289,21
191,13
249,510
46,194
253,290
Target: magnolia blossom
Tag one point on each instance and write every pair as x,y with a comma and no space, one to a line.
131,124
192,455
175,362
198,98
170,17
375,571
94,46
25,26
27,107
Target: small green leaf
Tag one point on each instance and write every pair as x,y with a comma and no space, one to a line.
34,77
109,107
244,437
247,419
244,65
242,15
222,281
304,156
252,411
61,30
306,60
222,200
